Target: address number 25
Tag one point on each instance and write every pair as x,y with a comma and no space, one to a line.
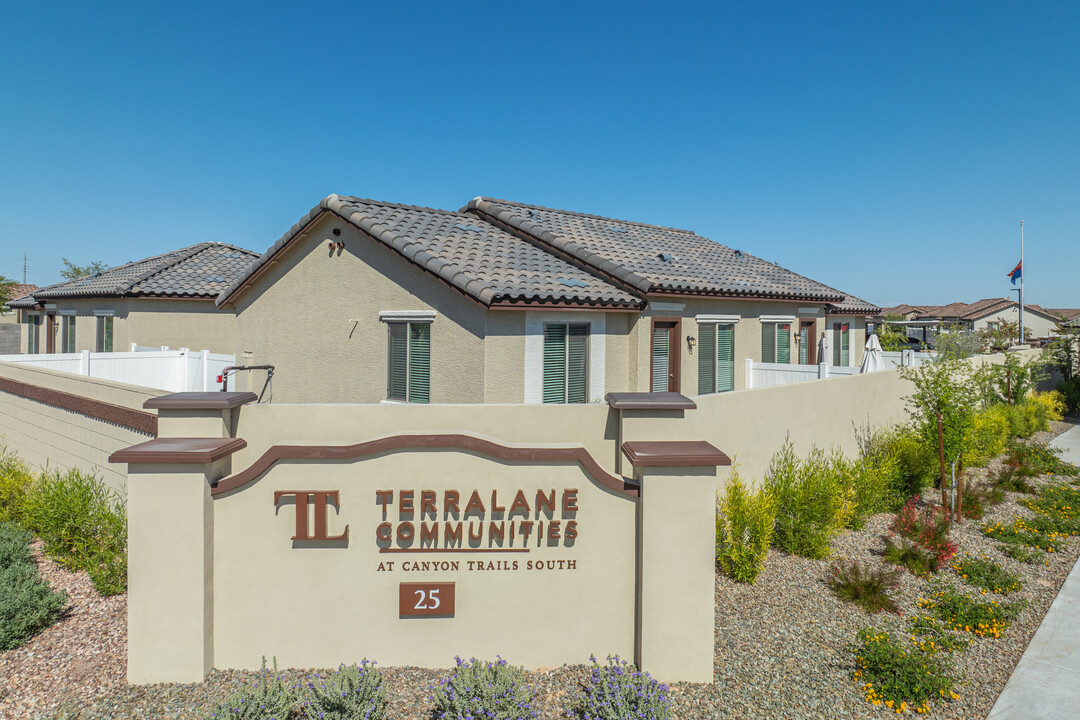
426,600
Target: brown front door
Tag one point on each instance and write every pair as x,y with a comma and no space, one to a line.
50,333
665,356
808,342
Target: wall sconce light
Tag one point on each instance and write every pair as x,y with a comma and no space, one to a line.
691,341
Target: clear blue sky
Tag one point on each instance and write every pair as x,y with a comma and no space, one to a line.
889,149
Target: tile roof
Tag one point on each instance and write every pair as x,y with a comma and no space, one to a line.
964,311
200,271
479,258
1066,313
19,291
652,258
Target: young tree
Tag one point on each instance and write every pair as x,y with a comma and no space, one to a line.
72,271
6,287
891,339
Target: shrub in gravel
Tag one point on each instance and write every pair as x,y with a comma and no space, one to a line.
916,559
987,575
963,611
267,697
929,636
1024,532
988,436
14,546
978,497
1058,502
812,504
900,677
903,462
28,604
83,524
1014,479
477,689
929,527
1042,458
16,479
350,693
1021,552
618,690
744,529
867,587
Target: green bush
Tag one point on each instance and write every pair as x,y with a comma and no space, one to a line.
1070,392
934,637
987,575
618,690
988,436
476,689
28,604
917,559
744,529
972,614
267,697
83,525
868,588
901,460
811,503
15,480
899,677
352,692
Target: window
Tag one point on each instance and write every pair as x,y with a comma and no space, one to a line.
104,341
33,328
67,334
566,363
775,342
409,362
841,344
716,357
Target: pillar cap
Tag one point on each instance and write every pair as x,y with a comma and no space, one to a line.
649,401
200,401
179,450
674,453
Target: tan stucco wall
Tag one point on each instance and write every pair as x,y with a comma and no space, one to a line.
1039,325
314,316
149,322
44,435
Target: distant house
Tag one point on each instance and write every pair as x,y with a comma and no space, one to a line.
9,318
501,302
162,300
976,316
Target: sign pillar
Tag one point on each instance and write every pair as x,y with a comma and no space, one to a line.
676,608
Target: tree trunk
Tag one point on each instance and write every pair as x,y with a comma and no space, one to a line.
959,515
944,485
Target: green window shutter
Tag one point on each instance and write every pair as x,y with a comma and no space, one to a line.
725,358
706,360
660,360
768,342
845,345
554,363
398,381
419,362
577,364
783,343
804,345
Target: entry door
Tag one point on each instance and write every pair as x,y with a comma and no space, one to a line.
665,356
50,333
808,342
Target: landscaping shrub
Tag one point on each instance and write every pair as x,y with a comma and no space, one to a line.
934,638
928,527
351,692
978,497
16,479
962,611
83,525
901,677
1056,501
618,690
812,505
903,462
1013,478
1070,393
1023,553
918,560
868,588
28,604
744,529
987,575
267,697
870,488
476,689
988,436
1023,532
1041,458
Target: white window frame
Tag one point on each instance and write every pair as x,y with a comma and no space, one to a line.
534,351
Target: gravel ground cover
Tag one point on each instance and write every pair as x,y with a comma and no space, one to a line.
780,647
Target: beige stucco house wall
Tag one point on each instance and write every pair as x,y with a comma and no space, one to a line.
1039,324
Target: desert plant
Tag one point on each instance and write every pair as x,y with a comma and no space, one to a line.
28,604
1023,553
16,479
1041,458
935,638
266,697
618,690
902,461
1026,532
988,436
928,527
869,588
812,505
987,575
476,689
972,614
744,529
1013,478
83,525
918,560
901,677
353,691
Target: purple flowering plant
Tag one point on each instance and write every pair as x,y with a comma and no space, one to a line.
267,697
350,693
618,690
476,690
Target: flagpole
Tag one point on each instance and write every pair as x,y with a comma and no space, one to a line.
1022,273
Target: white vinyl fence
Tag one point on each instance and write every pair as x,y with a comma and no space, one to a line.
904,358
760,375
180,370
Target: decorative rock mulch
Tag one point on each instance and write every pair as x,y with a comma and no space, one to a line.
780,647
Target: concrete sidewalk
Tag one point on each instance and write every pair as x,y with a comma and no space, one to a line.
1046,682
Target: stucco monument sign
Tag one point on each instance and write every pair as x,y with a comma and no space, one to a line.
410,549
